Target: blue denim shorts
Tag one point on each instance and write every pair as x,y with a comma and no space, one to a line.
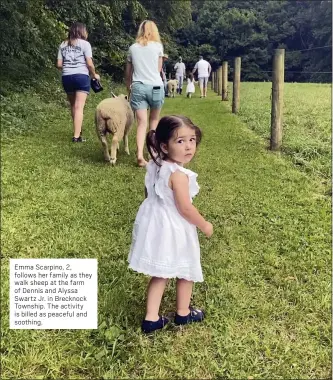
76,82
144,96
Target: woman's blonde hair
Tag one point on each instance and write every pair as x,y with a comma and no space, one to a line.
147,32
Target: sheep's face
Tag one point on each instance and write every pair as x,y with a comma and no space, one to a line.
122,96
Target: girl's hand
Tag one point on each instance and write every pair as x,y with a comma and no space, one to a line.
208,229
96,76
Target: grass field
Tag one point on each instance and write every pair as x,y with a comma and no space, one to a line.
267,268
307,121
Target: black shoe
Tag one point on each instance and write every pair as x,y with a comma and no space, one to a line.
150,326
78,139
195,315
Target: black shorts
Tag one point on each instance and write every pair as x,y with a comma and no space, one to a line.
76,82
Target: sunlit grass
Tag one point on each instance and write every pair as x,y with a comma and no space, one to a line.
307,121
267,267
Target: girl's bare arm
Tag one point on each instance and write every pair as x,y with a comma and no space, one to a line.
160,64
91,68
179,183
59,64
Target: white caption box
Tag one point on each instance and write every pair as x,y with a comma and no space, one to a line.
53,293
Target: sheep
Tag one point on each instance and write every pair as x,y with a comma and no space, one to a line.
172,87
115,116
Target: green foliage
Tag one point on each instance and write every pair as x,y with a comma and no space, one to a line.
169,15
29,38
37,27
222,30
32,30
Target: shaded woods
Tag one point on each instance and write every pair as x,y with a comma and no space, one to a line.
31,31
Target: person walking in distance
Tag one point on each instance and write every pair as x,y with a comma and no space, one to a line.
204,69
180,74
190,88
144,82
75,61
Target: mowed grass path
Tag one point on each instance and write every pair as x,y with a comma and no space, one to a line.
267,289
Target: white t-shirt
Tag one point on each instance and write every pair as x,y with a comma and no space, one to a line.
145,62
74,57
203,68
180,69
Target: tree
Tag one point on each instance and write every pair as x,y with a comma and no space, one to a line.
252,29
32,30
29,36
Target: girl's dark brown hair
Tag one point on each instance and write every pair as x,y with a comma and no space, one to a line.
191,77
165,130
77,30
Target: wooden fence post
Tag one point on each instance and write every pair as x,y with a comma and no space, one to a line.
215,82
219,89
225,80
277,99
212,80
236,86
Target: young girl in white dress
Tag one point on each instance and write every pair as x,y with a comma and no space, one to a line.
165,240
190,88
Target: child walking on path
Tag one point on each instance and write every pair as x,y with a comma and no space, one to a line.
190,88
165,241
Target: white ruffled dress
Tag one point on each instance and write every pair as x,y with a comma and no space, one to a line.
164,244
190,88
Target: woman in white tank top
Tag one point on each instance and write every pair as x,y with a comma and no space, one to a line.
144,82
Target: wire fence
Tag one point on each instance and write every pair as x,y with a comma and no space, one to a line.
315,48
276,76
257,72
299,72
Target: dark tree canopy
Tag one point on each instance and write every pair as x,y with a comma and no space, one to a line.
224,29
31,31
